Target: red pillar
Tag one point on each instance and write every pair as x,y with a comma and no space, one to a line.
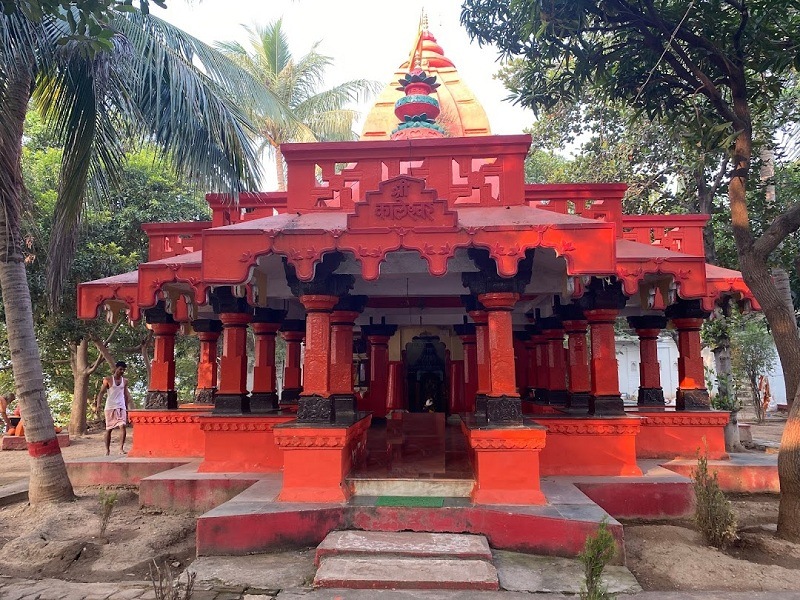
208,332
161,390
378,337
503,403
466,333
578,364
692,393
315,404
232,393
521,361
555,364
540,345
530,365
293,332
605,398
264,395
648,327
481,319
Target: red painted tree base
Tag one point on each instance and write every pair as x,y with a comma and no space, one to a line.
18,442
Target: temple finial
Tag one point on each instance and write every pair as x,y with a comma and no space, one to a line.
423,26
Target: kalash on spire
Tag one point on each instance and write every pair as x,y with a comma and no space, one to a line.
432,100
417,110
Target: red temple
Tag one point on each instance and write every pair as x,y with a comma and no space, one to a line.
426,295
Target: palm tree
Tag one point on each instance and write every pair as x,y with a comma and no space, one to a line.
141,84
315,116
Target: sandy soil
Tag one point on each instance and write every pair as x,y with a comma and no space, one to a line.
63,541
675,557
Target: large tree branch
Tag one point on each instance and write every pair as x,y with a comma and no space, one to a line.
779,229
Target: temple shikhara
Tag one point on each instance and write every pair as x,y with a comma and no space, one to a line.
449,333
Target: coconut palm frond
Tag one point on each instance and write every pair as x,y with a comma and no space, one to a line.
334,125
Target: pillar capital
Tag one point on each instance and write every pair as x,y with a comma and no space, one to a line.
602,294
268,315
378,331
647,322
480,317
235,319
487,280
494,301
465,330
688,324
207,326
575,327
223,301
316,303
686,309
157,314
602,315
165,328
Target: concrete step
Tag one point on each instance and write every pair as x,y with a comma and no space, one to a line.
404,544
379,572
431,488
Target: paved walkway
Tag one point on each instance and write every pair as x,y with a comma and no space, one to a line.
53,589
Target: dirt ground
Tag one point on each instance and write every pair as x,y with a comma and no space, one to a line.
63,541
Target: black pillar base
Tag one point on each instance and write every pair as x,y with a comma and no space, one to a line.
263,402
541,395
557,397
204,395
692,400
578,400
157,400
345,408
231,404
651,397
606,406
290,396
504,409
315,409
480,404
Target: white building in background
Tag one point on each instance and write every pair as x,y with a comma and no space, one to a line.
628,367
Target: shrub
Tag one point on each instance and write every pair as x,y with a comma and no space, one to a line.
713,514
597,553
167,585
107,502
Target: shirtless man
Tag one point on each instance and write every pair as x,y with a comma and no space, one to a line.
4,402
117,404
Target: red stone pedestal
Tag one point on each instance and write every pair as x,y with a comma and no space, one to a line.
168,433
506,463
241,443
667,434
590,446
317,459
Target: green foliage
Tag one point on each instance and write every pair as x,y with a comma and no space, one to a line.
713,514
752,355
107,502
111,241
598,551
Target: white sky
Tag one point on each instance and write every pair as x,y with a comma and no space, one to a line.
366,39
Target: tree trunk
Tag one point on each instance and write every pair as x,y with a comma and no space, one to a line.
789,473
80,387
280,169
48,475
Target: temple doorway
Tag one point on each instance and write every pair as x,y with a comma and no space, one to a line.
426,381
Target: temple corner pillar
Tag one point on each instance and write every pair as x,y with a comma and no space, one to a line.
161,393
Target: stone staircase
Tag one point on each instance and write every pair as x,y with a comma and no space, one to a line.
405,560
